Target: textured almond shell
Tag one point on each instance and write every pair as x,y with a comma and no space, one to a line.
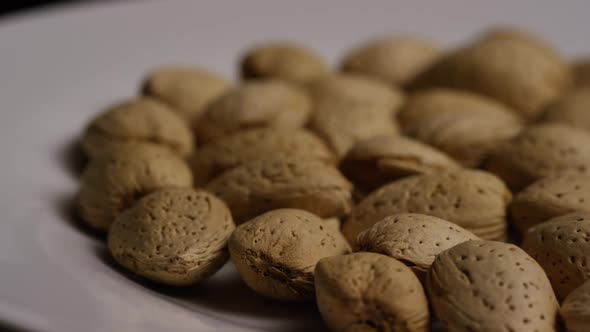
142,120
349,108
572,109
575,309
174,236
276,252
370,292
111,184
395,60
216,157
540,151
466,126
561,246
550,197
262,185
414,239
491,286
474,200
254,104
375,161
282,60
515,72
186,89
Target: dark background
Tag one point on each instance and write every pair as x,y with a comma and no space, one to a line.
15,6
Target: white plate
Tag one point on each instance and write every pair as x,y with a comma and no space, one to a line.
58,68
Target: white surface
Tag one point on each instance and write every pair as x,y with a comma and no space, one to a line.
60,67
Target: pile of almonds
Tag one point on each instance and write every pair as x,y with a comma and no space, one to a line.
432,160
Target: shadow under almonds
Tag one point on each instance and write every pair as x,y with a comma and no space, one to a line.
65,205
513,235
10,327
73,158
225,293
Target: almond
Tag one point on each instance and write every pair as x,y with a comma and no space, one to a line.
412,238
375,161
466,126
276,252
474,200
174,236
491,286
571,109
541,151
550,197
512,70
188,90
561,247
235,149
393,59
254,104
370,292
283,60
350,108
575,309
259,186
522,36
110,184
355,89
142,120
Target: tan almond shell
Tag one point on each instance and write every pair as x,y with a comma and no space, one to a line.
349,108
259,186
517,73
491,286
582,72
188,90
355,89
540,151
254,104
218,156
571,109
550,197
112,183
412,238
333,223
370,292
473,199
561,247
393,59
276,252
466,126
141,120
284,61
375,161
341,125
174,236
522,36
575,309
